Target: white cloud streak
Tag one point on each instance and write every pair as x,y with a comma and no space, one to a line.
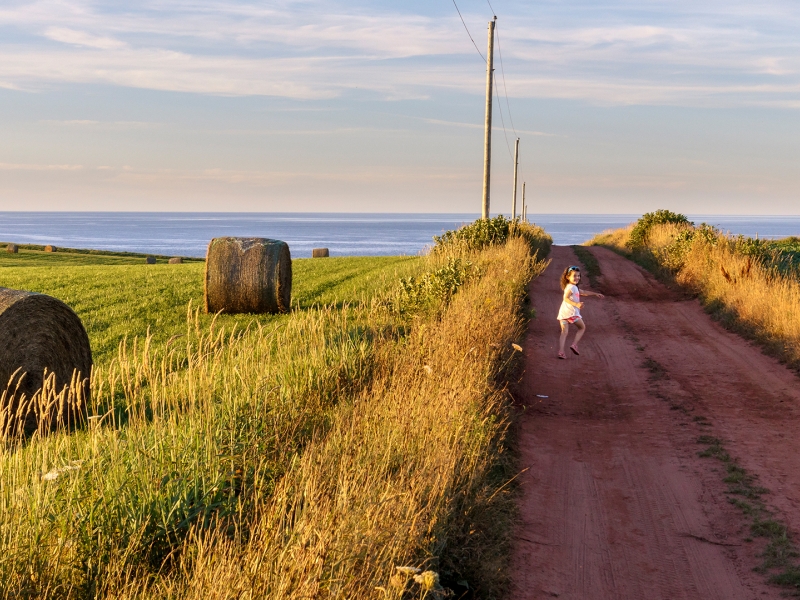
37,167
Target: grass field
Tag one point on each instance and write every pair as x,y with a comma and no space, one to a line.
117,296
305,455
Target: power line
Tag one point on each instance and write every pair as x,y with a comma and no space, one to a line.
502,120
468,33
492,7
503,71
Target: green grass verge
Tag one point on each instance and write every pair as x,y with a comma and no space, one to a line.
780,553
116,300
590,264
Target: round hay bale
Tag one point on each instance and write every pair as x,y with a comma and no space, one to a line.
12,248
150,260
248,275
39,333
49,248
176,260
320,253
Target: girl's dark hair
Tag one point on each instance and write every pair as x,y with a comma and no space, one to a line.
565,276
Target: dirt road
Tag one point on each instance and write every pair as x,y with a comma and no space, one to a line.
616,502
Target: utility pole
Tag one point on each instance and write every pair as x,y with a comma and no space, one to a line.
487,143
516,163
524,206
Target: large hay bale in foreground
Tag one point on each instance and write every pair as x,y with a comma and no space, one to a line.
320,253
248,275
150,260
12,248
49,248
39,333
176,260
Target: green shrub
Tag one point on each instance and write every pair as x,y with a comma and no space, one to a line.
477,235
638,236
674,254
487,232
785,254
434,288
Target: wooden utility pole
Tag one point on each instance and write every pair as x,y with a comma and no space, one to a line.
524,206
487,142
516,164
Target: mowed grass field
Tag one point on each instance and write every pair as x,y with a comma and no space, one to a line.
118,296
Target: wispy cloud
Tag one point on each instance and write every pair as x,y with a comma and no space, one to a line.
90,123
37,167
698,53
81,38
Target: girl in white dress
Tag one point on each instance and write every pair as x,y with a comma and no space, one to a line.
570,311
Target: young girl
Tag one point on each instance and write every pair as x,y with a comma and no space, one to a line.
570,311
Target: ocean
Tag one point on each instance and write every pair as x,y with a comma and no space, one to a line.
345,234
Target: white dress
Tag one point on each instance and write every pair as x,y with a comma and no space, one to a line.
567,312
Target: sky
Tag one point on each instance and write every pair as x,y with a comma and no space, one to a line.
620,106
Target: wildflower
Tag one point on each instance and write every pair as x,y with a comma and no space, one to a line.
517,347
427,580
408,570
53,474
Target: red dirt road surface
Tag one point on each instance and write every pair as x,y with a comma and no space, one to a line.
616,503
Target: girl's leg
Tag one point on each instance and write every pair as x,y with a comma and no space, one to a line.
564,332
581,330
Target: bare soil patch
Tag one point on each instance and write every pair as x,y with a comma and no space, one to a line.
617,502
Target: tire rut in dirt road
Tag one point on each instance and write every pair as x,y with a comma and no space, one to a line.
616,502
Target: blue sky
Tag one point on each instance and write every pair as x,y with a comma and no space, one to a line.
377,106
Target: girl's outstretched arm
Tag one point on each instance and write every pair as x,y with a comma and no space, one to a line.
590,293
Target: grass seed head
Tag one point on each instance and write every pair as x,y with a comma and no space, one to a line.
427,580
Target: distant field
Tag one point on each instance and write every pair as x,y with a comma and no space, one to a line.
117,295
34,255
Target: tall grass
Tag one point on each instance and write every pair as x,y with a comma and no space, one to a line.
743,282
304,458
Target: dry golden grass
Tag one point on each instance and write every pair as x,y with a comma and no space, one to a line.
765,302
744,292
379,490
614,238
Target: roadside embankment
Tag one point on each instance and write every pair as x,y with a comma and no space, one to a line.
751,286
303,458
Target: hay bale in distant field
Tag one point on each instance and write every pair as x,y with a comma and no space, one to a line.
150,260
49,248
39,333
320,253
176,260
12,248
248,275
